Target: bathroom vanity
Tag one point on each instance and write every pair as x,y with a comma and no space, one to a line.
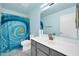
38,49
42,46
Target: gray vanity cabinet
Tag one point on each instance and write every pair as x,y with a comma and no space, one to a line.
40,53
43,48
33,48
55,53
38,49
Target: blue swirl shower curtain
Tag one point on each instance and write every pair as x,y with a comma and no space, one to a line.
14,29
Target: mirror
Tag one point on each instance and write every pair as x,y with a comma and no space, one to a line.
60,19
77,18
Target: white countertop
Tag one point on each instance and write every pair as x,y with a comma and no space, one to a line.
59,44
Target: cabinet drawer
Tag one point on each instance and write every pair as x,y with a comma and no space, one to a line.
33,42
40,53
43,48
33,50
55,53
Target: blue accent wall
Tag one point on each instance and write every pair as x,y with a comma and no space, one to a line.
14,29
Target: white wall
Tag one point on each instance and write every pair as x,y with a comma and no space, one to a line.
34,16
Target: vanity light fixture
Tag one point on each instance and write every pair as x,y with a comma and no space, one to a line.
46,6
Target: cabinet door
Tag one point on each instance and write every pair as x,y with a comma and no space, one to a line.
40,53
33,42
33,50
43,48
55,53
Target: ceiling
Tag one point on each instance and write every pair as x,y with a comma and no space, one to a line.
24,8
56,7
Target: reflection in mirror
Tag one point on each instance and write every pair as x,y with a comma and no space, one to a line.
60,19
41,27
